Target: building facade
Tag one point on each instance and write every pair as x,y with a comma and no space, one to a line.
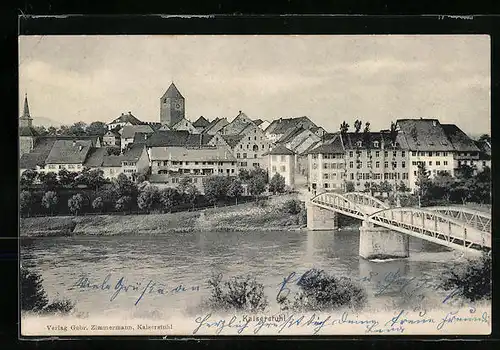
172,106
281,161
326,165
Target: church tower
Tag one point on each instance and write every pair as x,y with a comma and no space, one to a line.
171,106
26,132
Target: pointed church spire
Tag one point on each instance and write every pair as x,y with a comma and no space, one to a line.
26,112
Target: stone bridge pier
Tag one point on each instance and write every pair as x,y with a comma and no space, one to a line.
319,219
381,243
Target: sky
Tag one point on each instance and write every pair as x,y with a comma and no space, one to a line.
327,78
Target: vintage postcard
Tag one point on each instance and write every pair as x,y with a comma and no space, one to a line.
196,185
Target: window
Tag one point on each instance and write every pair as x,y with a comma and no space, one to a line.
195,163
325,185
282,168
244,155
243,164
60,166
315,166
187,163
394,165
248,146
232,171
386,154
262,146
430,162
403,153
359,143
484,163
71,166
386,164
255,164
255,156
273,157
220,163
282,158
360,165
273,168
204,163
430,154
352,176
394,153
459,163
314,156
414,153
52,166
403,164
369,164
241,146
210,163
377,153
368,153
405,176
350,154
377,164
413,163
255,148
326,176
248,138
438,154
255,138
351,165
438,162
326,165
415,173
445,154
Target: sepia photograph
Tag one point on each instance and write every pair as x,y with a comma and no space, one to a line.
212,185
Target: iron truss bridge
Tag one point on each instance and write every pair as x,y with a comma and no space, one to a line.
454,227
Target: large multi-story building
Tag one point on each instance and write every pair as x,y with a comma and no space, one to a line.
327,166
429,146
281,161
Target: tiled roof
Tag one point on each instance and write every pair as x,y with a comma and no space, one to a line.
311,147
483,146
38,154
172,92
93,138
291,133
351,139
335,146
195,140
216,123
133,152
425,135
141,137
257,121
96,157
112,133
201,122
280,126
460,141
192,154
280,150
179,122
127,118
65,152
232,140
130,130
168,138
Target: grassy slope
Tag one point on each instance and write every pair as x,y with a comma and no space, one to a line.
247,216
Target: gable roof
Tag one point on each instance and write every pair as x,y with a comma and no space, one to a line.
280,126
291,133
112,133
141,137
38,154
196,140
130,130
27,131
69,152
127,118
280,150
133,152
201,122
257,121
179,122
351,139
460,141
334,146
95,157
233,140
94,139
172,92
167,138
424,135
216,123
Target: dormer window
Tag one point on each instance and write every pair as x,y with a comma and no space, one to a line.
375,144
359,143
431,143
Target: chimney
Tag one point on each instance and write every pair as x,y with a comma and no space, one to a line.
80,148
434,123
225,155
74,143
123,114
129,113
240,112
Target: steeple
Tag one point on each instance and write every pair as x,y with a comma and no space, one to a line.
26,112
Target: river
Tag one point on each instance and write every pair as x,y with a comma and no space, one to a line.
189,259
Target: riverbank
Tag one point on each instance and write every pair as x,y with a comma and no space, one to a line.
244,217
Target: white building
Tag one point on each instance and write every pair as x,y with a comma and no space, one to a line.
281,161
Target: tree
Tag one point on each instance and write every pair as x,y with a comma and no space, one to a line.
41,130
357,125
28,177
191,193
148,198
277,184
77,129
97,128
33,296
367,127
344,127
66,178
385,187
485,138
235,189
464,172
244,175
75,203
442,185
256,185
349,186
402,187
482,189
124,186
108,193
260,173
216,188
98,204
183,185
123,203
168,198
394,132
423,182
49,200
25,201
113,151
52,131
48,180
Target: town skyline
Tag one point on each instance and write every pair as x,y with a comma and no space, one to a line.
71,79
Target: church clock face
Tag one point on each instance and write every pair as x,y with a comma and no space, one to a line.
177,106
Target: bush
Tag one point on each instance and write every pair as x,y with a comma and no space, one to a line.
320,292
293,206
34,298
472,281
239,293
